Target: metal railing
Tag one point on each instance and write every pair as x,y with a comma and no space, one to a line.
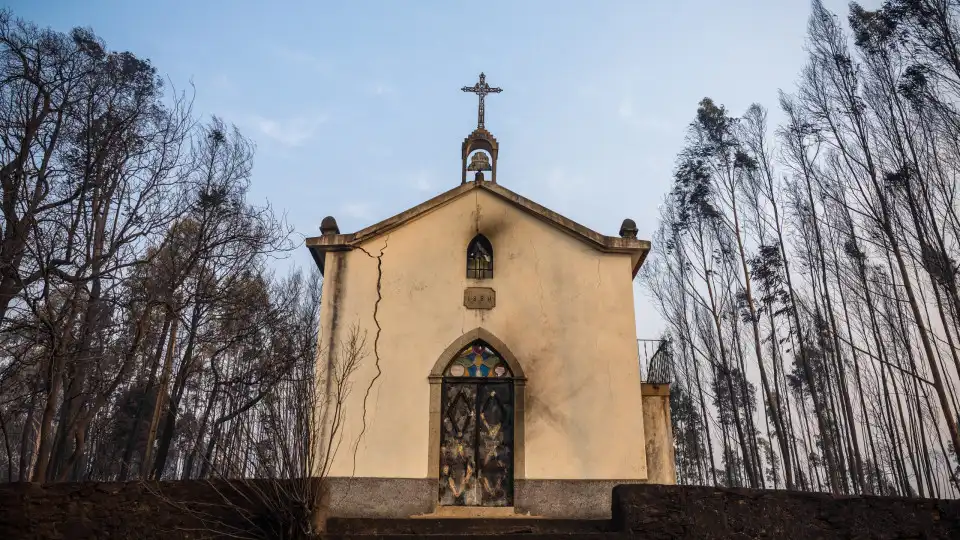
655,360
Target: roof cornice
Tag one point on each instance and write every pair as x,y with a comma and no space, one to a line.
638,249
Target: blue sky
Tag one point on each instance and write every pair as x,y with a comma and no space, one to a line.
356,108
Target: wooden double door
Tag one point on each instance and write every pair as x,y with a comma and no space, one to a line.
476,442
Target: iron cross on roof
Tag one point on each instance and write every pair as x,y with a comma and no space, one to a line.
481,89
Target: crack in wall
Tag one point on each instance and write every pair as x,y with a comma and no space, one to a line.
476,212
376,344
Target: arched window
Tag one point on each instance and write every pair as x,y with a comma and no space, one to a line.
478,360
479,258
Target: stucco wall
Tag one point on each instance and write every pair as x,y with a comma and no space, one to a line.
661,465
563,308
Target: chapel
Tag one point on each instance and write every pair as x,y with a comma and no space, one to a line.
500,372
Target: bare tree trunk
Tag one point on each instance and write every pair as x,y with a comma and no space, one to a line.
741,436
145,462
828,307
191,458
54,385
177,394
772,404
125,462
27,436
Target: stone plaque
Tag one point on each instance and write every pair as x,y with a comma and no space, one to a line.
479,297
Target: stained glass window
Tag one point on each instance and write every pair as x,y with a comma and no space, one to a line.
478,360
479,258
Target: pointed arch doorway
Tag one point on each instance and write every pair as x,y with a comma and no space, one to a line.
477,419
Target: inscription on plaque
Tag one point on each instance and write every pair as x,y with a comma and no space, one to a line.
479,297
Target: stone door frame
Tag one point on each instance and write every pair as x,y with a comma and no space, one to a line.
436,387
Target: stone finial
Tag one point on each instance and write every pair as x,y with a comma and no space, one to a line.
329,226
628,229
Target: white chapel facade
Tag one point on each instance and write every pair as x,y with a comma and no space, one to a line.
500,368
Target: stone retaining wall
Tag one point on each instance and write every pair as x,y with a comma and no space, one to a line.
657,512
188,509
180,509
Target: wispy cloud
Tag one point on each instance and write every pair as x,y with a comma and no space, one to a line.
380,89
423,184
302,59
564,185
422,180
357,210
654,122
222,82
380,151
288,132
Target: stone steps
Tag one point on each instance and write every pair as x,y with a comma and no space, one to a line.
474,527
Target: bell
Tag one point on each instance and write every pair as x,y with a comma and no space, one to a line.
479,162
